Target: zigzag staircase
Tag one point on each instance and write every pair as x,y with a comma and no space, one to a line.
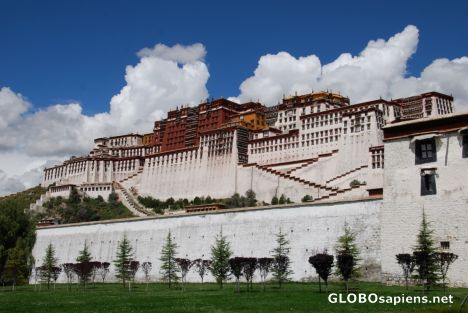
347,173
131,202
331,191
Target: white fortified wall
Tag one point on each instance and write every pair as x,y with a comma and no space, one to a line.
251,232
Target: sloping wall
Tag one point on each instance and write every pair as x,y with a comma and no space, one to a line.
251,232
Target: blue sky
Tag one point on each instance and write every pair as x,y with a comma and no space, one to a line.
72,71
62,51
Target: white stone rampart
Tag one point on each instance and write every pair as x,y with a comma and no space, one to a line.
251,232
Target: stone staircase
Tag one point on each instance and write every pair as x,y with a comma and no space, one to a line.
131,202
140,170
294,178
346,174
38,205
300,164
337,193
330,192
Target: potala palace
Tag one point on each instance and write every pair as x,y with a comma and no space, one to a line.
375,165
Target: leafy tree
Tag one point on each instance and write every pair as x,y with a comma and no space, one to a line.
104,270
250,198
197,201
68,269
444,260
220,254
249,266
201,267
74,198
282,200
95,270
89,209
170,203
49,263
307,198
169,268
264,266
123,259
147,267
133,269
323,263
84,267
345,267
234,201
17,266
406,262
354,183
236,265
184,267
274,200
56,270
347,245
17,232
281,267
208,200
424,255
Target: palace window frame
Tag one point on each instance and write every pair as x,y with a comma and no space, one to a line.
428,182
425,151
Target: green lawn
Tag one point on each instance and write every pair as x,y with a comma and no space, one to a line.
294,297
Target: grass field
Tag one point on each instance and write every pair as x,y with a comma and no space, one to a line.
294,297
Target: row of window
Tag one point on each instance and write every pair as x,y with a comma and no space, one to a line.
273,141
100,188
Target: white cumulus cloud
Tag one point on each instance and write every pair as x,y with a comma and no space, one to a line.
178,53
379,70
164,77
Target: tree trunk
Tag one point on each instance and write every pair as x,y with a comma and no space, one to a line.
326,286
347,290
320,285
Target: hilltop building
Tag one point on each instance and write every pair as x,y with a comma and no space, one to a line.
314,144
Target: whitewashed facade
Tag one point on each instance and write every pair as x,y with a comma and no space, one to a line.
406,197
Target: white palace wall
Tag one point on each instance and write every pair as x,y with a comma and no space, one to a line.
447,211
251,232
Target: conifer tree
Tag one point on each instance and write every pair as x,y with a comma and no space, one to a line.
84,265
281,267
49,263
425,255
123,259
169,267
346,245
220,254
